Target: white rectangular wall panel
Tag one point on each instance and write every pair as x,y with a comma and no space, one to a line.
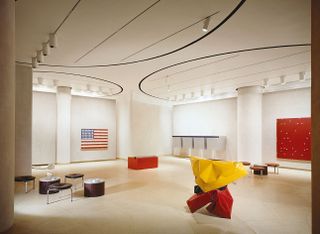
92,113
212,118
287,104
44,125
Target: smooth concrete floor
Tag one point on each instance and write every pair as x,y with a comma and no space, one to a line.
154,201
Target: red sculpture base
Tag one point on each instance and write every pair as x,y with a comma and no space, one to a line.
220,201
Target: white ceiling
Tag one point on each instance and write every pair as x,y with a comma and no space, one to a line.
102,32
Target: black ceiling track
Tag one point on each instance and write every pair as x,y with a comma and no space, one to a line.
154,57
212,56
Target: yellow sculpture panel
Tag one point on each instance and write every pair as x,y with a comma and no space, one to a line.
211,175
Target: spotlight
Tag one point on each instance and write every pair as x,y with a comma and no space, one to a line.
212,91
266,82
34,62
168,88
55,83
282,80
110,91
206,24
39,56
89,88
40,81
302,76
52,40
45,49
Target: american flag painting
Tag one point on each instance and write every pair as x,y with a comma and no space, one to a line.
94,139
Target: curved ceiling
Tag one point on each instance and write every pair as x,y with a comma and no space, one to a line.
118,31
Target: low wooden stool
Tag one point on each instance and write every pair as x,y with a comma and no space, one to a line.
245,163
275,167
257,170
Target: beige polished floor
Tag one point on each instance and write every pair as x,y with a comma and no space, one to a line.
153,201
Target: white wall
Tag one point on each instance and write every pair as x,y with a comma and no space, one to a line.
288,104
44,125
209,118
151,127
92,113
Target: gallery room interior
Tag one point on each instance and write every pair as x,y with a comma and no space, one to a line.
159,116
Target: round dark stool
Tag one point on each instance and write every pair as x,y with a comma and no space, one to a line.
93,187
74,176
45,182
57,187
25,179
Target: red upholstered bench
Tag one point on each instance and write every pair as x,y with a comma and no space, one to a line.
142,162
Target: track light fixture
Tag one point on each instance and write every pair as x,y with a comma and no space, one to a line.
34,62
206,24
39,56
282,80
45,49
52,40
302,76
266,82
55,83
40,81
212,91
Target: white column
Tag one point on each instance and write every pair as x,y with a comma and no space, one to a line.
23,118
124,125
63,124
7,109
249,109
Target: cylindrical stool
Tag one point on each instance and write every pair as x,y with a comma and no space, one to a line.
45,182
93,187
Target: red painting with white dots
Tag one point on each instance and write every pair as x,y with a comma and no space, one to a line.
294,139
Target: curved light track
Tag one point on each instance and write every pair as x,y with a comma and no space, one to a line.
86,76
212,56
